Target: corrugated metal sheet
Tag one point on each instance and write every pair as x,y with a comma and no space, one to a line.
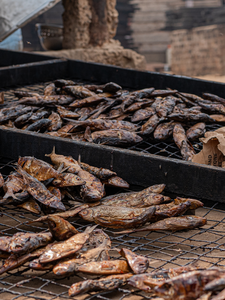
16,13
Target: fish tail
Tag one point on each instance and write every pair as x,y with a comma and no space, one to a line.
79,159
53,152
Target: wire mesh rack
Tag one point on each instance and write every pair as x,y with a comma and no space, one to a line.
150,145
204,247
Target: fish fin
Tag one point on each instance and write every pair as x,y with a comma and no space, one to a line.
90,229
125,231
87,134
79,159
53,152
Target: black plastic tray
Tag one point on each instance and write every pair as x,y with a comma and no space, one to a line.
10,58
183,178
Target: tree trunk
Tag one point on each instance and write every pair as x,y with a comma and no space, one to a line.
88,22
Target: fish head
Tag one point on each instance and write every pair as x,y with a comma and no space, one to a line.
86,214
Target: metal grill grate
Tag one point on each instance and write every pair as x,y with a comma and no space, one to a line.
149,145
205,247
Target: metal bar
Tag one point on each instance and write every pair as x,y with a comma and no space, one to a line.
180,177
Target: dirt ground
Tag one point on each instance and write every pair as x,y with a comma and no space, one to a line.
216,78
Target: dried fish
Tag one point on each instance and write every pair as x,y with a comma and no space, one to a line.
13,184
63,82
13,262
187,286
213,97
137,105
111,217
30,205
173,224
2,181
22,243
185,117
100,124
194,203
37,189
50,89
116,181
107,267
220,296
147,281
79,91
158,188
150,125
46,100
66,248
69,266
164,130
65,215
91,100
107,283
181,141
101,173
213,107
114,137
68,179
65,113
93,190
21,120
138,263
134,200
165,106
39,125
37,168
173,211
143,114
196,131
60,229
56,122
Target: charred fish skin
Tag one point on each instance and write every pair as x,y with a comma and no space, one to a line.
164,130
138,263
21,242
107,283
111,217
39,125
115,137
150,125
196,131
143,114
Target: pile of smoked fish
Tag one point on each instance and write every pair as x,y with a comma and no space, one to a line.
38,186
109,115
65,251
